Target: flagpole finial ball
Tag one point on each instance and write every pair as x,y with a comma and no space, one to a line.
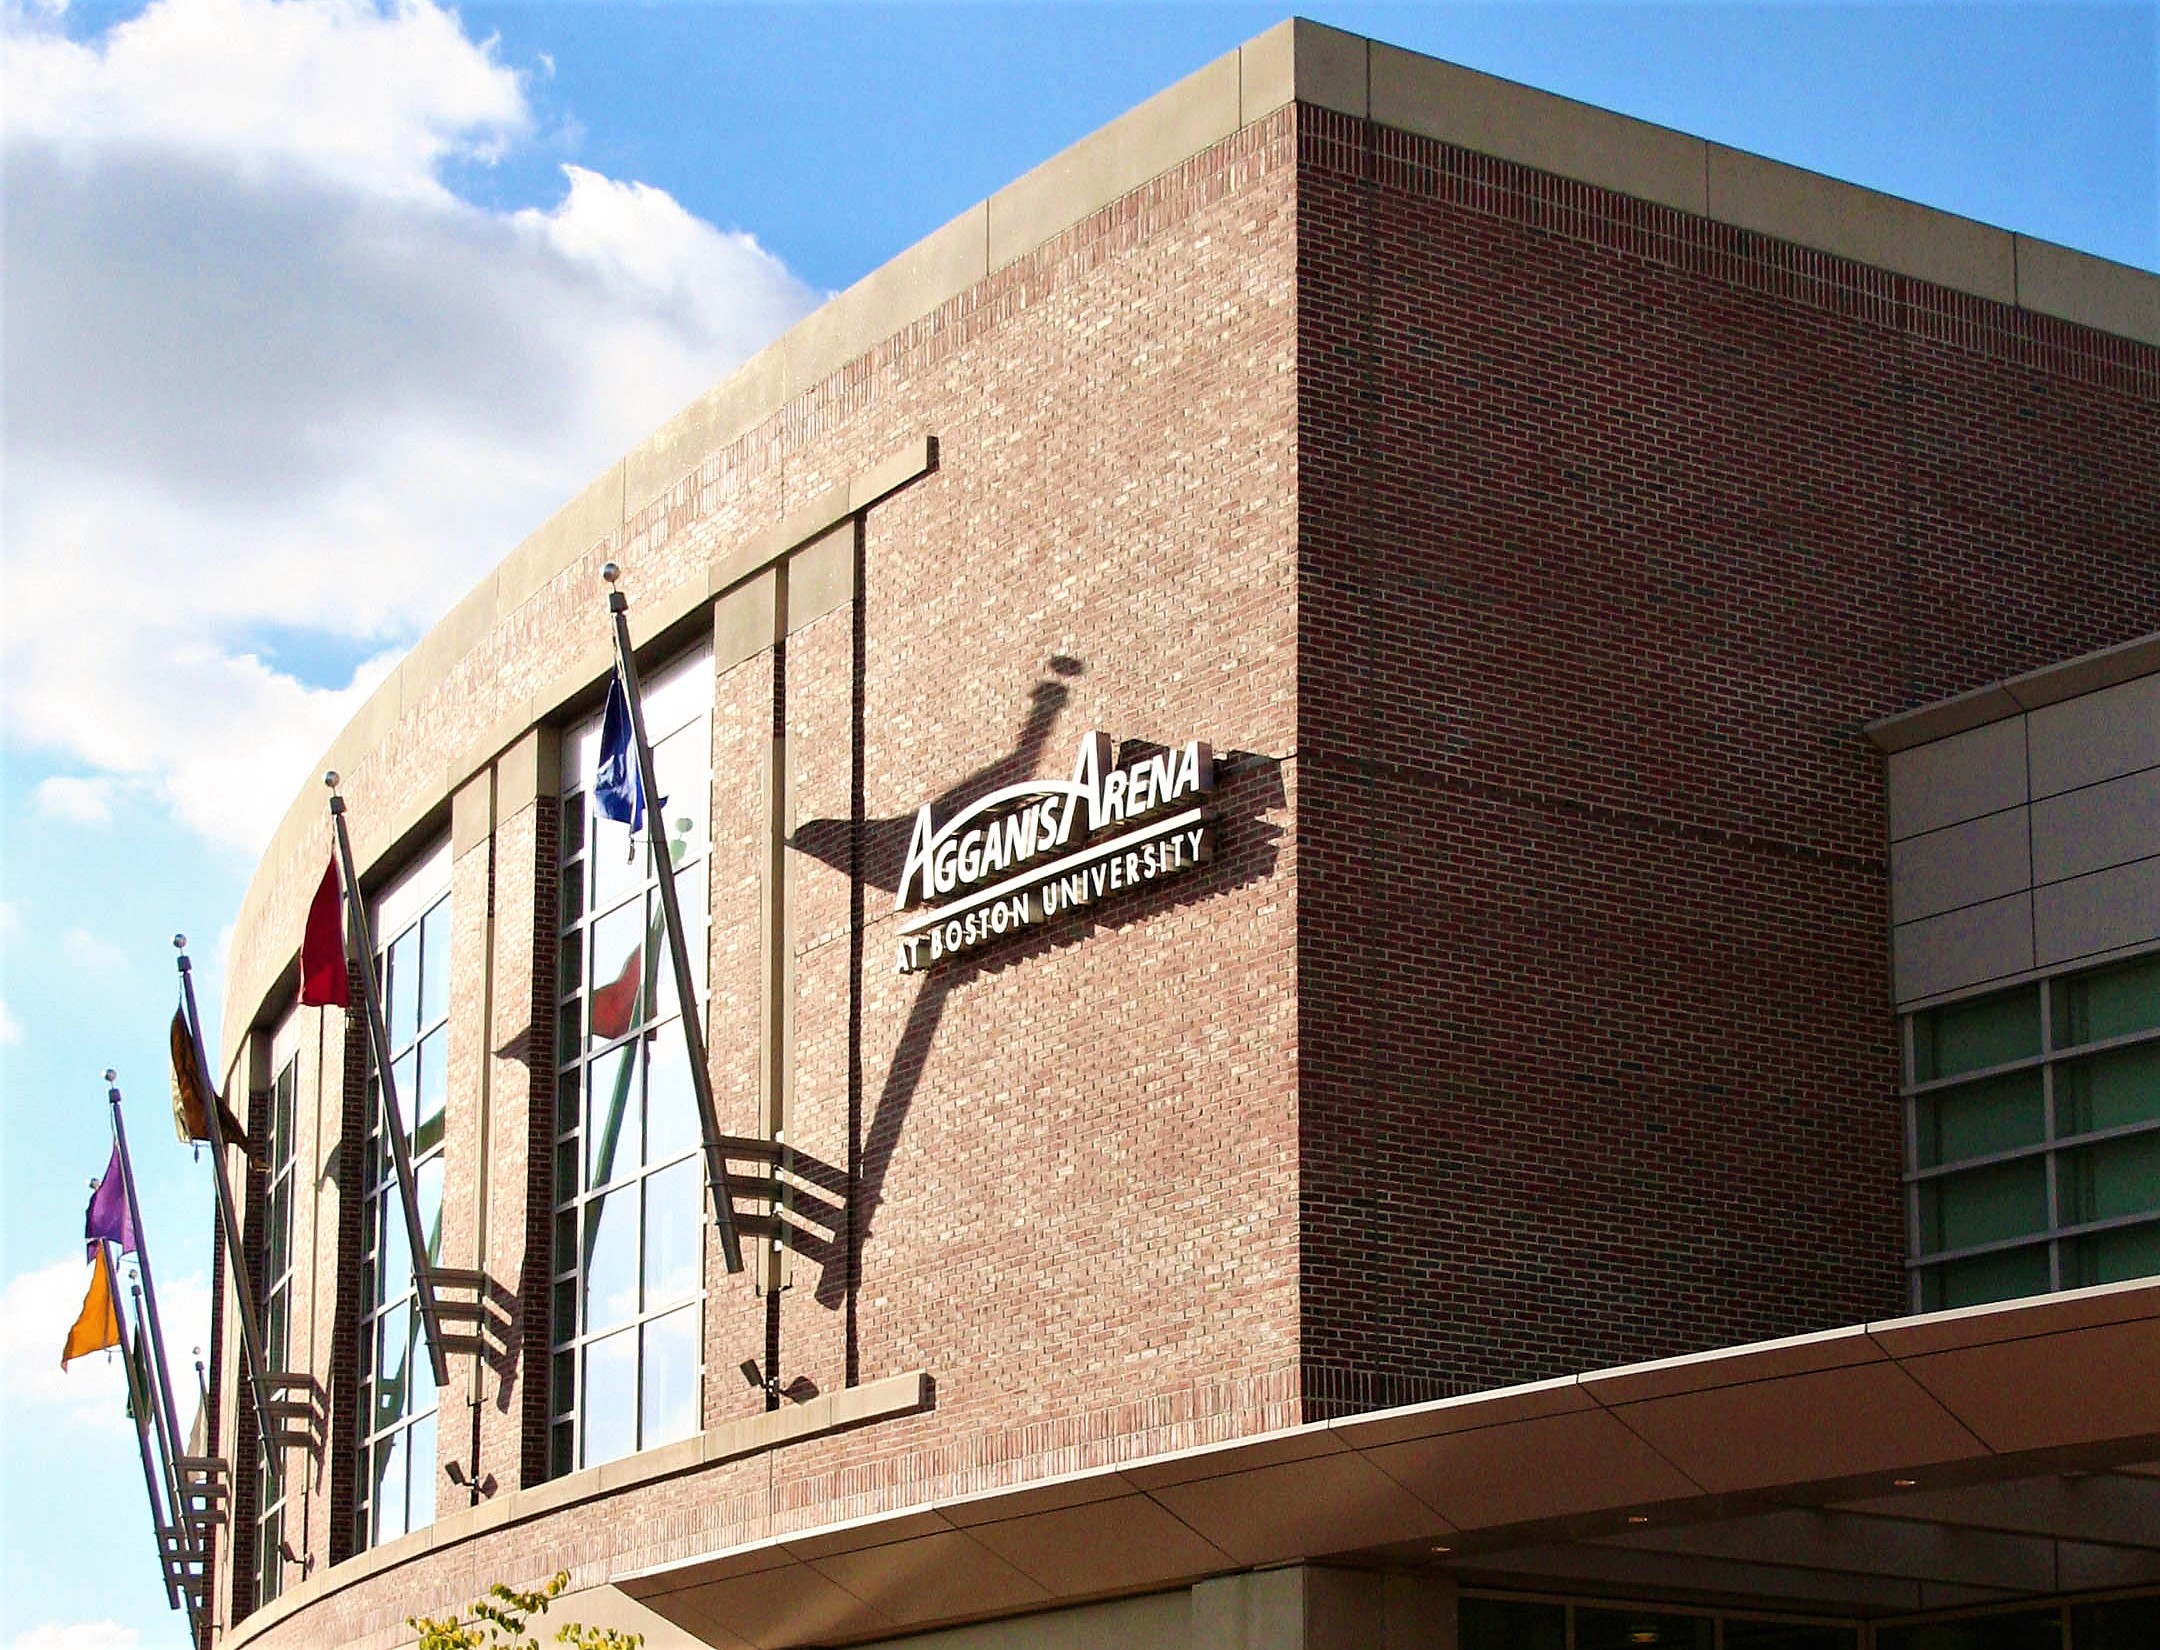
330,779
179,942
610,572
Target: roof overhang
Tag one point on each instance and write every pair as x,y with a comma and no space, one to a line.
1889,1467
2014,696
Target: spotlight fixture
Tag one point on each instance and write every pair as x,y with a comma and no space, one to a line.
1904,1483
1638,1518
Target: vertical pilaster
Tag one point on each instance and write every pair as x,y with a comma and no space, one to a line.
777,1064
820,840
467,1130
514,1242
748,622
316,1037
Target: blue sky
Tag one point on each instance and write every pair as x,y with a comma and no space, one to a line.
294,289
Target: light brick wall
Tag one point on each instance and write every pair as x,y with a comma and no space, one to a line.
1075,1199
1531,558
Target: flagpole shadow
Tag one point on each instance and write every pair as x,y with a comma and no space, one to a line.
883,849
1249,787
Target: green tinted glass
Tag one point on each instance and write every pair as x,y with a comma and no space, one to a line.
1787,1635
1977,1119
1974,1282
2105,1091
1987,1205
2113,1257
1505,1624
1641,1630
1988,1031
2108,1002
2104,1182
2117,1624
2019,1630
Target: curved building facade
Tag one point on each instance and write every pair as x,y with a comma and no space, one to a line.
1420,835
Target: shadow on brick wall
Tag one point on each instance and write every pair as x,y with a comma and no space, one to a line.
1249,788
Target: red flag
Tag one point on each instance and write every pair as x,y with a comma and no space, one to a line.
323,983
614,1005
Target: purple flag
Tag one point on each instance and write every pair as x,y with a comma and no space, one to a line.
107,1217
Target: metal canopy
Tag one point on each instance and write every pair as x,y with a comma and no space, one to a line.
1765,1474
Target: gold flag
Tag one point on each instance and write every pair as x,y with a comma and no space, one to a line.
190,1106
98,1325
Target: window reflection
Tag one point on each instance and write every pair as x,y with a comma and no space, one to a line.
671,1120
669,1404
610,1412
673,1229
611,1259
612,1124
398,1398
629,1187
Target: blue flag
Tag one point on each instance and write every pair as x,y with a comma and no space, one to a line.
618,791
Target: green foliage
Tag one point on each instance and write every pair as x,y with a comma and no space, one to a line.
498,1622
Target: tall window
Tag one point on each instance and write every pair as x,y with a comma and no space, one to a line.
2033,1137
277,1297
397,1383
627,1304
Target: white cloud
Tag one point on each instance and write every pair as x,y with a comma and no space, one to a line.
76,800
76,1635
377,97
276,397
11,1031
85,953
36,1309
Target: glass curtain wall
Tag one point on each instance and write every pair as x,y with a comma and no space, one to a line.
2033,1137
277,1314
627,1302
1487,1623
411,921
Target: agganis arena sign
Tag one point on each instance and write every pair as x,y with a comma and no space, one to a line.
1032,851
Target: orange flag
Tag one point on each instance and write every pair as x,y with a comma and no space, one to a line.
98,1326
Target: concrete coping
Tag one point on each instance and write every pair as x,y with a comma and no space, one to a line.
842,1411
1326,68
380,840
2051,684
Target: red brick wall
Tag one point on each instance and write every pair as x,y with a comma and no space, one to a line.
1615,527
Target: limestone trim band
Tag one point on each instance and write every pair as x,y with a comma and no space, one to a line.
887,1399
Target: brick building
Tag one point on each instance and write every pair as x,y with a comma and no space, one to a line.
1581,1067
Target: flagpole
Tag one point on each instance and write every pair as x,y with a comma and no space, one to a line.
166,1412
180,1532
716,1174
175,1597
250,1332
170,1451
379,1040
